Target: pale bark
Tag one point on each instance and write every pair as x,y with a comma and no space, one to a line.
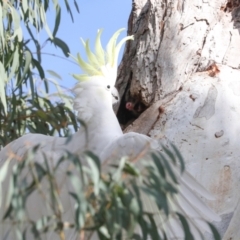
186,59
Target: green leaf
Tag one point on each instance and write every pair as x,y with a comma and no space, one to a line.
95,159
3,174
94,164
42,223
104,231
32,85
134,206
19,234
25,6
28,60
76,6
10,193
69,9
168,168
57,20
214,231
39,68
4,170
169,153
76,183
158,163
37,45
2,39
54,74
16,21
131,169
46,85
154,229
15,64
44,21
159,198
3,81
187,232
179,155
61,44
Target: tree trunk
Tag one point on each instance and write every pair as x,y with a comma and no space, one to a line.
184,67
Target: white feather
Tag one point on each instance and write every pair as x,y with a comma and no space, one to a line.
187,202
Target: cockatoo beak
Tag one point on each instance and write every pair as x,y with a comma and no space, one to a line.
115,99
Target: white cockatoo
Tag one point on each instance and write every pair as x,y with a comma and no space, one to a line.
94,93
104,137
94,96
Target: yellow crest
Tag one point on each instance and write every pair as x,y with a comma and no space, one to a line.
101,63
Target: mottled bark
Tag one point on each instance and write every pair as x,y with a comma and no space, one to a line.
185,59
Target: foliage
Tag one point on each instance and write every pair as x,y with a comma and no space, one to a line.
19,68
107,200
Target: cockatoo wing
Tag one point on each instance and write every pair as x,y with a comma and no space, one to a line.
40,201
129,144
186,202
17,148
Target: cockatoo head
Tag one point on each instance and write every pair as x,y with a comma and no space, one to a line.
101,67
95,88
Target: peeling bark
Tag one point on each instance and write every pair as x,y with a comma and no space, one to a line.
208,108
192,44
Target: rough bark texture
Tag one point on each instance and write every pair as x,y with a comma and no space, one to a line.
185,59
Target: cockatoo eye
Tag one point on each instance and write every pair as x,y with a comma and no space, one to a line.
108,87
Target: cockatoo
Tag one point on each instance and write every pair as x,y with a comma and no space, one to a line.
90,102
104,137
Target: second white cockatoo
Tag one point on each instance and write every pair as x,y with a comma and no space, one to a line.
104,137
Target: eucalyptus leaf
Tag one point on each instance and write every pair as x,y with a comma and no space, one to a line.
62,45
57,20
54,74
3,81
28,60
